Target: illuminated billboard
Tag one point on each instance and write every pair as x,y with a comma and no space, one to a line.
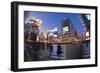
65,29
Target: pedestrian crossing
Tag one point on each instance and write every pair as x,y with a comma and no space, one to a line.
56,57
86,51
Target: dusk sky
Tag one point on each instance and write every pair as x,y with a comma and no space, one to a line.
51,20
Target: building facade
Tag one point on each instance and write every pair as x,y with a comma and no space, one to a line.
85,21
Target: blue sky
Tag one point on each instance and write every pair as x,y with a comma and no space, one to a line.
53,19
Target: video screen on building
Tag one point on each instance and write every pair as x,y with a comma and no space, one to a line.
65,29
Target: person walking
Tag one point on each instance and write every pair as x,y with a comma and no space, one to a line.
59,51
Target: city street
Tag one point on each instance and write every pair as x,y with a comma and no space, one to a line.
42,54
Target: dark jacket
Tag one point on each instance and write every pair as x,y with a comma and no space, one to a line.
59,50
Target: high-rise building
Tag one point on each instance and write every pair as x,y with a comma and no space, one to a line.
85,21
67,25
32,24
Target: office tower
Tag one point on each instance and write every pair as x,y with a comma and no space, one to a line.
68,31
85,21
67,25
